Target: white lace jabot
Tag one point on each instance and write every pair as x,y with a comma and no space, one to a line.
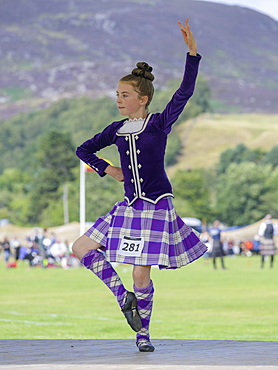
131,126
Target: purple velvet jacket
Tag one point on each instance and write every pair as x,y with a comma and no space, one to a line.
142,150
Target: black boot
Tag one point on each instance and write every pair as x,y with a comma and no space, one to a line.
145,346
131,312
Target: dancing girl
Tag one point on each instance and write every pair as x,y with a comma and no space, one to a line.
142,230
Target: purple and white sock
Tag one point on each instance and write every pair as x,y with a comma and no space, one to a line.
144,304
95,261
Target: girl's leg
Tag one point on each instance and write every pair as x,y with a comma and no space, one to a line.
271,261
214,262
87,251
262,262
83,245
7,256
144,290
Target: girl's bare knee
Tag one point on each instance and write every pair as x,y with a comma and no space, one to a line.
141,276
83,245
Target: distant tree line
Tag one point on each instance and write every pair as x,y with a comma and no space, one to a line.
239,190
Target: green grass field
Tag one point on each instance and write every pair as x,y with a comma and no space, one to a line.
194,302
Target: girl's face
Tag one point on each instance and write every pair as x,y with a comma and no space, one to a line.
129,103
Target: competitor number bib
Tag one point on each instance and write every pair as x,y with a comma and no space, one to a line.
131,247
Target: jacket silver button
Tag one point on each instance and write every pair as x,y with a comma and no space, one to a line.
127,152
143,194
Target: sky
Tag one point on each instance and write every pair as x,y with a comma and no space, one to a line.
268,7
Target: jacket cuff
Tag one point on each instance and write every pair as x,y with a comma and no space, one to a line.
100,167
197,57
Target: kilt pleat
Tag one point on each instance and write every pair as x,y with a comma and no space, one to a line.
267,247
168,241
217,249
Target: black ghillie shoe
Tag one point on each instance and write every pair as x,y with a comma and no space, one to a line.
131,312
145,346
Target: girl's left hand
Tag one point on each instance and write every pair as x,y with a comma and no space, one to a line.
188,37
115,172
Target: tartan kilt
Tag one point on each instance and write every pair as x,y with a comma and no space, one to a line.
267,247
217,249
168,241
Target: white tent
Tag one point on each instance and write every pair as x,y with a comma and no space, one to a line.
247,232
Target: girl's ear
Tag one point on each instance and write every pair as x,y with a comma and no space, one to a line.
144,100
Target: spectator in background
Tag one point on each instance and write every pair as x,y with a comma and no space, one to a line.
207,240
43,247
217,245
256,244
16,245
267,230
7,250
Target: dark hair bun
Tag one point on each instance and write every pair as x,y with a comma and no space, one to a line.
143,70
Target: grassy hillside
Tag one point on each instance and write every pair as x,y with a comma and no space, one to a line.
206,136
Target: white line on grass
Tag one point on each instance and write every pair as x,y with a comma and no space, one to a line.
35,322
62,317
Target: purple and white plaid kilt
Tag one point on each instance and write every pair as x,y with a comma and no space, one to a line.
168,241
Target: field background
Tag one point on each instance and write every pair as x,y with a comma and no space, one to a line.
194,302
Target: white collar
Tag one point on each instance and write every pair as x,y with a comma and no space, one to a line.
134,120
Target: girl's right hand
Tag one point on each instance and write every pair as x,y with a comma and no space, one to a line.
115,172
188,37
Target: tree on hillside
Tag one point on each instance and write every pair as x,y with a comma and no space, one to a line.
238,154
271,157
241,191
191,194
20,136
271,197
56,163
57,155
15,186
173,148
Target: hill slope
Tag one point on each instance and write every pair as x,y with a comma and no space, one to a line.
53,49
205,137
